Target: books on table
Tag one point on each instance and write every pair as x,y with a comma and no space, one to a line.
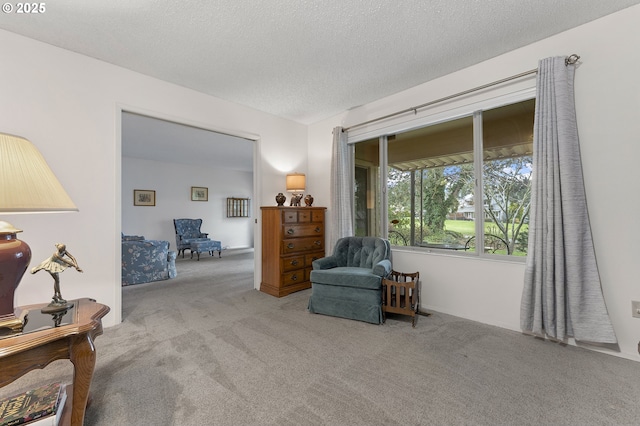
37,407
52,419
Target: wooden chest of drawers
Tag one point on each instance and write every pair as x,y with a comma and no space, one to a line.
292,238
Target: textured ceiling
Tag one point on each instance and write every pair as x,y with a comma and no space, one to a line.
304,60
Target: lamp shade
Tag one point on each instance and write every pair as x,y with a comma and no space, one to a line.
27,184
296,182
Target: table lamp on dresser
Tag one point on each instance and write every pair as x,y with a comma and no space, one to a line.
27,185
296,183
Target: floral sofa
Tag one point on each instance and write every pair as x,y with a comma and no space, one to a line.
144,260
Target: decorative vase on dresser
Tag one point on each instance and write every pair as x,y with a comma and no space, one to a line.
292,238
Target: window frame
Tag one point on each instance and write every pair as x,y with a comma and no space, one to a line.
430,118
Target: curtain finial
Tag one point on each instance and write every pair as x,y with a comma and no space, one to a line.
571,59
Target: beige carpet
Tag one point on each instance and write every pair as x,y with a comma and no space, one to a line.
207,349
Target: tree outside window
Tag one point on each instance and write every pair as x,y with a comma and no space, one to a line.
431,183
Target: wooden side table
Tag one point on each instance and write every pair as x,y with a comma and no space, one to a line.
72,339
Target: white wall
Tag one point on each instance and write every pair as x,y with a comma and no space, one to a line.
69,106
608,107
172,183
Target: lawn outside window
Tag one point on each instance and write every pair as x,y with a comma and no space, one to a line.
461,185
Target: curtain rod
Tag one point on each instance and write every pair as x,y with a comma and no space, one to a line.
569,60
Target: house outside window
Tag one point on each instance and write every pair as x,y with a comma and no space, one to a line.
461,185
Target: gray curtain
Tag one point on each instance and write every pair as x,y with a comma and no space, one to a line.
562,295
341,191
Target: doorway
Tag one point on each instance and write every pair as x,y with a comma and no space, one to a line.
171,157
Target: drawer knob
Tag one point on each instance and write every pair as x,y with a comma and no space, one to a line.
318,229
318,243
294,262
290,231
290,245
294,277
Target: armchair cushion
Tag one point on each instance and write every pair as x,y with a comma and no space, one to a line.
347,276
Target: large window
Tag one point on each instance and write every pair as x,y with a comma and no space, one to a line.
461,185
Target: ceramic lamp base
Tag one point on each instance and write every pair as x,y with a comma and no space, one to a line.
15,256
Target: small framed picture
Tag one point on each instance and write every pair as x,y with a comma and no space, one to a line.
144,197
199,193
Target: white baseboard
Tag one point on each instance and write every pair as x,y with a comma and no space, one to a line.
236,250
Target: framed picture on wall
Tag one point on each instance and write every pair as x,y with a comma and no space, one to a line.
199,193
144,197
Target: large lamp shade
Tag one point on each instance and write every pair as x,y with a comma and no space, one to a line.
27,185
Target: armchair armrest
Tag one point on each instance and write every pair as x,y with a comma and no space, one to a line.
204,235
325,263
382,268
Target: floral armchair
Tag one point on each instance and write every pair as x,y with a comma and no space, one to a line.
188,231
144,261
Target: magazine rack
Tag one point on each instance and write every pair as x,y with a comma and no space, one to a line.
401,294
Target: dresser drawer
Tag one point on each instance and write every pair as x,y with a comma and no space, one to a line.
294,245
293,262
317,216
302,230
294,277
302,216
290,216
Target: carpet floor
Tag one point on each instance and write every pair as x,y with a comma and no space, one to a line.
206,348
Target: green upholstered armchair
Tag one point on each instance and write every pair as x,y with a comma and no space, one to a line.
348,284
